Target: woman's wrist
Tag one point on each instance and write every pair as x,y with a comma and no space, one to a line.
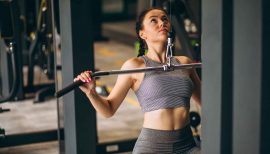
91,92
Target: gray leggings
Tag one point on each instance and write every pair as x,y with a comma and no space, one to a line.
166,142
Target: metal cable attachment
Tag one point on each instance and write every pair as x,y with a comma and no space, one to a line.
167,68
169,51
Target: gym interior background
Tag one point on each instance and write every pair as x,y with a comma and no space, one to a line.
45,43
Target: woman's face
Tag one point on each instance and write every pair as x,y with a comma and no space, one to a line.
156,26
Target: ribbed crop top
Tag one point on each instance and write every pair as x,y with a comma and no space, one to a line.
161,90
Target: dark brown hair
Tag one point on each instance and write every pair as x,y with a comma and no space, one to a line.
139,26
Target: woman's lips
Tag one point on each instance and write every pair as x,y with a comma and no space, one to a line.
163,30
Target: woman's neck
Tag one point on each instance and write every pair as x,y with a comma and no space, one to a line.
157,53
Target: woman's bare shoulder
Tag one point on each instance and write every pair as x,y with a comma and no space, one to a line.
132,63
184,59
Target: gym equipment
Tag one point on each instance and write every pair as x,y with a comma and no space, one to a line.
10,44
163,68
14,72
195,120
2,133
3,110
41,51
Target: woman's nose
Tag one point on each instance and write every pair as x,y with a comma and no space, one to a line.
163,23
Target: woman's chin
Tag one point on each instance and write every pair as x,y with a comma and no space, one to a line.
164,38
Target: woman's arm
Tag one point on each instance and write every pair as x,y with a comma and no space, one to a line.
196,94
107,106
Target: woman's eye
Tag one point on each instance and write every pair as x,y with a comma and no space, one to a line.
164,19
153,20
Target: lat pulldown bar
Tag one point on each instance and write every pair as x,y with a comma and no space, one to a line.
163,68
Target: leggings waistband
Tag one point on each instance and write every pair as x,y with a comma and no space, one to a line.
166,135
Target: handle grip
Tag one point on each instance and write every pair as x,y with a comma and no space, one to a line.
68,88
77,84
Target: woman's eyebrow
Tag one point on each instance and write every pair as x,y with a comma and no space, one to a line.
164,16
153,16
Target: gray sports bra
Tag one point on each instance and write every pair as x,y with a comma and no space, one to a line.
161,90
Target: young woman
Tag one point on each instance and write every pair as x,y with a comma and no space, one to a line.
164,97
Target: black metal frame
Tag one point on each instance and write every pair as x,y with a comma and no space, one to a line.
52,135
28,138
11,24
76,24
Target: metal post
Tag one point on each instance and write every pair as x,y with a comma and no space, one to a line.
251,39
217,76
4,73
76,22
265,107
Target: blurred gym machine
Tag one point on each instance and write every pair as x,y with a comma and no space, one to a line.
13,29
41,52
33,45
41,49
21,34
12,46
11,79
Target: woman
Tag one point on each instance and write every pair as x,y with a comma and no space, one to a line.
164,97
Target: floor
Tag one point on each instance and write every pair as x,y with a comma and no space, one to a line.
26,116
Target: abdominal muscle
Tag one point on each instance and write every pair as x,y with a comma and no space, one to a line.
167,119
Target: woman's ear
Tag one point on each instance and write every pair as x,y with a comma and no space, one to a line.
142,35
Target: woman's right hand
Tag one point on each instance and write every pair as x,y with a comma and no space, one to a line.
89,83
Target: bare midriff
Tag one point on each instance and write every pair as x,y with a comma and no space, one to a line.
167,119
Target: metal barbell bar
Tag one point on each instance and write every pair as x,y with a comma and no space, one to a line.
164,68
